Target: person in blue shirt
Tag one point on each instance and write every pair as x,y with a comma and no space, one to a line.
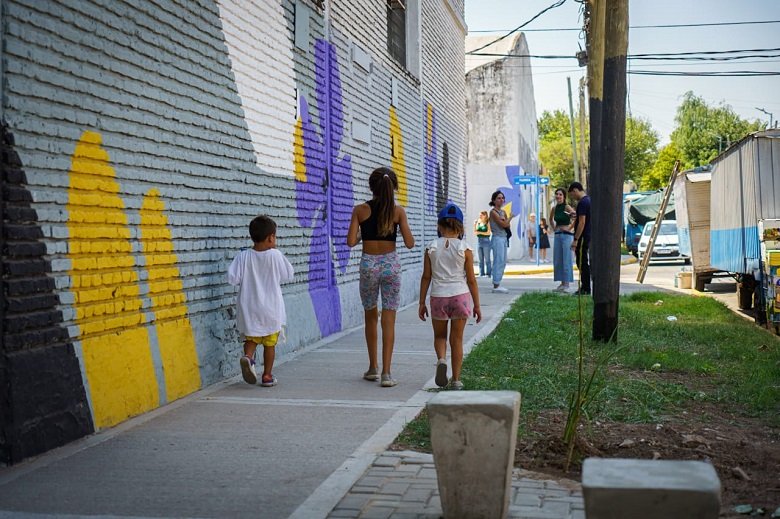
581,242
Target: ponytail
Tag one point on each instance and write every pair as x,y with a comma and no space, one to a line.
383,184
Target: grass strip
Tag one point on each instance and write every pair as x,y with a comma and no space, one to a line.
661,368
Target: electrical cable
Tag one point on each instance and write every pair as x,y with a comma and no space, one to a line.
732,73
540,13
666,26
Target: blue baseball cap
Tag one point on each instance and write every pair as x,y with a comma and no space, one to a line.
451,211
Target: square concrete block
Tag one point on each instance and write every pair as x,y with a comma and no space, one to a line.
645,489
473,435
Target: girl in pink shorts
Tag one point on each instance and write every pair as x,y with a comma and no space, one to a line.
449,272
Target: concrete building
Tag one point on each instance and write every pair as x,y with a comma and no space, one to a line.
502,131
139,140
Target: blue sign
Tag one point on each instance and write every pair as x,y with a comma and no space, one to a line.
522,180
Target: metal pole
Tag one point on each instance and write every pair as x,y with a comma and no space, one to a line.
573,138
583,154
538,216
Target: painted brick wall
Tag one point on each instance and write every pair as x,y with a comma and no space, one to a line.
443,93
149,134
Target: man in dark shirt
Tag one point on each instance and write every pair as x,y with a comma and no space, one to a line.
581,242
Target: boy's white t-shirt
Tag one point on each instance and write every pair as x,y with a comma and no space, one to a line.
258,275
448,267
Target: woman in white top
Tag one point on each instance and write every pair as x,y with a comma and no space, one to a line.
449,272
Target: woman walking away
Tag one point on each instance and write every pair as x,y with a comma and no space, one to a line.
499,227
449,272
482,231
377,222
544,239
561,218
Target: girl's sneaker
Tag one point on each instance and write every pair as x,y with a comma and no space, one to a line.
248,370
441,373
268,381
387,380
456,385
372,374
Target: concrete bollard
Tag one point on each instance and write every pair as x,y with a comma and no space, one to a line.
650,489
473,435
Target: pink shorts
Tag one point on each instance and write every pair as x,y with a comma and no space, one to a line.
453,307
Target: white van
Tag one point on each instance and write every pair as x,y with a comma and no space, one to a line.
667,245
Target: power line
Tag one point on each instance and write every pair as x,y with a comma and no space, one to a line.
537,15
666,26
701,58
708,52
709,55
731,73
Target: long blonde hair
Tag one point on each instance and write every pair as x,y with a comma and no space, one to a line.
383,184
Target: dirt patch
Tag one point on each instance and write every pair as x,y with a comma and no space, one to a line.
744,452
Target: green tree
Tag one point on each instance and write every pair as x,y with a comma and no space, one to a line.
703,131
555,147
553,125
641,148
659,174
555,156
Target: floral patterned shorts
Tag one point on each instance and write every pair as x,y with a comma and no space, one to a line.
453,307
380,272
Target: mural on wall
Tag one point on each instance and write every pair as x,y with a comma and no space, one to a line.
323,186
443,177
116,349
513,201
397,160
174,331
44,403
437,173
430,164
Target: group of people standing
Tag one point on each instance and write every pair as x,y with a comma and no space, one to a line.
569,227
448,274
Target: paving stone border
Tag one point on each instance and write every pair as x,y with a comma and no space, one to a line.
402,485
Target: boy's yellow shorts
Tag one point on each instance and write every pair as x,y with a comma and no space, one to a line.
268,340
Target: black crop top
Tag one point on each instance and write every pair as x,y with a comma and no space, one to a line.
368,230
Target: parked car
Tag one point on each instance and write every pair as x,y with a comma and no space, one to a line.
667,244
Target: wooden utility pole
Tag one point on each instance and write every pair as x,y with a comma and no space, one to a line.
595,47
607,174
577,175
583,155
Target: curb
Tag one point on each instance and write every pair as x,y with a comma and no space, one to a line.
531,270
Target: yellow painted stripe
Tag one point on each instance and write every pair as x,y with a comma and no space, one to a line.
397,161
174,331
299,158
118,362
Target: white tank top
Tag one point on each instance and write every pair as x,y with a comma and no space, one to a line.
448,267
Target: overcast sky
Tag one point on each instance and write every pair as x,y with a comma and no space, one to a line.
654,98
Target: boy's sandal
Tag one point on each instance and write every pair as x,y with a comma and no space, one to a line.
372,374
268,381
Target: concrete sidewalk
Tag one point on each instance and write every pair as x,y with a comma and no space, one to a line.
234,450
314,446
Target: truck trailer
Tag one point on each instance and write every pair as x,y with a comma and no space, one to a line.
745,192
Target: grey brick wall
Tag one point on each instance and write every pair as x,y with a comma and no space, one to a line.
151,132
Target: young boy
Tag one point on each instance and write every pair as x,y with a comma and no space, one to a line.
258,272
